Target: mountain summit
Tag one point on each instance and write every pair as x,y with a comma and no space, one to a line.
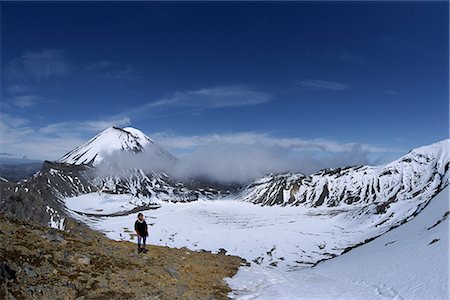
111,140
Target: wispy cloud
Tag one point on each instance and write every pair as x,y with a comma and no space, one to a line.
21,137
393,93
41,65
15,89
12,121
253,138
322,84
27,74
25,101
350,58
215,97
112,70
201,99
83,127
223,96
244,156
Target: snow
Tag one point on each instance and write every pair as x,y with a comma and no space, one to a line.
282,242
401,264
55,219
100,203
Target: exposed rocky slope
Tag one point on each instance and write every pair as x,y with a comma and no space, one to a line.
43,263
38,198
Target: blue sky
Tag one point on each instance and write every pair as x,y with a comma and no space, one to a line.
334,79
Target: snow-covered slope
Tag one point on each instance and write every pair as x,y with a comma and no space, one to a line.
110,140
408,262
422,172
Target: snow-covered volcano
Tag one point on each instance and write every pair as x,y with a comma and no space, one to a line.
110,140
127,161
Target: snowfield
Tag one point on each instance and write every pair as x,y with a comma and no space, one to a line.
408,262
281,243
100,203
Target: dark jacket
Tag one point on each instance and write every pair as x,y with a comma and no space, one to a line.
141,228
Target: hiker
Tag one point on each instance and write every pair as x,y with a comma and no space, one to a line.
142,232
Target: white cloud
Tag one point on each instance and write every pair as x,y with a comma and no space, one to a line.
12,121
208,98
15,89
50,142
112,70
223,96
25,101
89,126
241,158
323,84
227,163
393,93
350,58
25,74
253,138
100,125
41,65
21,139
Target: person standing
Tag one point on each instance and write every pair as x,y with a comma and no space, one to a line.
140,226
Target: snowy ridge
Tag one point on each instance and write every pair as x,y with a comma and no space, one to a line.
153,186
421,173
112,139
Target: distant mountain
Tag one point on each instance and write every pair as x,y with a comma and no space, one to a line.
110,140
16,172
11,160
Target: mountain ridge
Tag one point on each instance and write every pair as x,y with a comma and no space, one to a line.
296,188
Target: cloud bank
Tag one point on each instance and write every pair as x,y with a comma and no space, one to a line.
233,163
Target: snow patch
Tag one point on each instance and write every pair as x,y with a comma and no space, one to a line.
55,219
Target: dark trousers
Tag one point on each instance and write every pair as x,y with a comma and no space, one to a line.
143,239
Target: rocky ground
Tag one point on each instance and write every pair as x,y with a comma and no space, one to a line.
43,263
